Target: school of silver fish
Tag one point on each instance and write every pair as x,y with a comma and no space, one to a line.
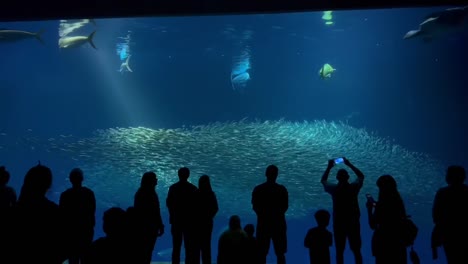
235,155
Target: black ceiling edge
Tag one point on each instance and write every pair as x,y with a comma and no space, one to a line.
14,10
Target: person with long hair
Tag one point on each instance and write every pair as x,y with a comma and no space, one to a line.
148,213
385,218
208,207
38,221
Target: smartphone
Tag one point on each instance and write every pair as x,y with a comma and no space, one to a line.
370,199
339,160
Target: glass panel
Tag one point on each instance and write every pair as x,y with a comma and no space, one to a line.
228,95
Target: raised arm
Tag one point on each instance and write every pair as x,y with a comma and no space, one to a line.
356,171
324,179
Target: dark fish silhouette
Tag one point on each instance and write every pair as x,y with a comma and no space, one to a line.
438,23
11,35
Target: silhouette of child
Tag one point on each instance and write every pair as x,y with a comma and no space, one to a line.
319,240
252,253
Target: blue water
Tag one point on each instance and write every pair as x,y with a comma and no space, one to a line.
409,91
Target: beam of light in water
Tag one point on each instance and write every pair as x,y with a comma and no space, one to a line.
102,60
235,155
239,73
123,51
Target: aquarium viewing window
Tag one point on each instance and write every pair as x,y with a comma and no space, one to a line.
229,94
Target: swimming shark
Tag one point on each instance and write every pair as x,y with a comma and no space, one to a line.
11,35
76,41
442,22
125,65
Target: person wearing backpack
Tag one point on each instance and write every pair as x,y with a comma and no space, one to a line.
387,218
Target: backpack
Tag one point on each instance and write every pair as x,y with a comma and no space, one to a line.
409,231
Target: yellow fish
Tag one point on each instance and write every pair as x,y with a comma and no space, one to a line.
326,71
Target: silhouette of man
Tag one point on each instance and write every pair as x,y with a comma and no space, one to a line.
450,216
78,206
182,205
346,211
270,203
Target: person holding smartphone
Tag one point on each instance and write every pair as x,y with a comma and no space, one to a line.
346,212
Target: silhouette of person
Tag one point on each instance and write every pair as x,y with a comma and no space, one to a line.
319,240
252,255
38,223
270,203
208,207
113,248
346,213
232,243
450,216
385,217
7,193
78,206
148,213
7,202
182,204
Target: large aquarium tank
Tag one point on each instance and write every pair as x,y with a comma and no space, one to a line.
228,95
